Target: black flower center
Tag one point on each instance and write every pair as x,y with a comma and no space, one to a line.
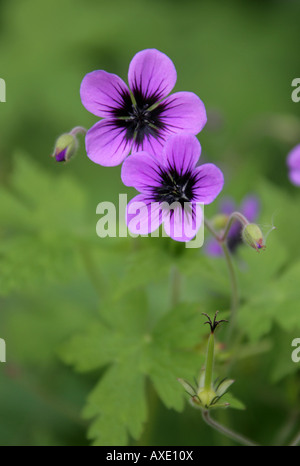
140,119
175,187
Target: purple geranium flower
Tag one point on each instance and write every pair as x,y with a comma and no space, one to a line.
249,208
172,188
141,117
293,162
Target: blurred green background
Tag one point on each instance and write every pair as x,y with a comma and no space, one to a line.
240,57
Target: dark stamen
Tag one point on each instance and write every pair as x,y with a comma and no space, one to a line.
175,187
137,119
213,324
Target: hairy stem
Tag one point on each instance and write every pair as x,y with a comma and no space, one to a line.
227,432
235,216
209,363
234,288
78,130
232,276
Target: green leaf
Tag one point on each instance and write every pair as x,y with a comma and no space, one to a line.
133,350
281,363
38,239
277,303
234,403
120,397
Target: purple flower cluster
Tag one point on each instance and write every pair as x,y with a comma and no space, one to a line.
172,188
140,117
158,131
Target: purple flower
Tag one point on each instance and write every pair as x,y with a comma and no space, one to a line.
141,117
172,188
249,208
293,162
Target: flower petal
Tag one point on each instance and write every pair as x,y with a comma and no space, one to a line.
182,112
143,216
213,248
181,153
104,94
227,206
293,158
209,183
151,76
106,143
293,162
294,177
141,171
153,144
250,208
182,224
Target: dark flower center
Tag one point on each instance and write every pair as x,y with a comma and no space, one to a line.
175,187
234,240
141,119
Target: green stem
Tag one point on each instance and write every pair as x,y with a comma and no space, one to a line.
78,130
225,431
235,216
212,230
234,288
209,362
232,276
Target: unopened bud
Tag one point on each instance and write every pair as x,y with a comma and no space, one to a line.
252,235
219,221
65,147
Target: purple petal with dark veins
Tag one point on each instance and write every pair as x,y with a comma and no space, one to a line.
104,94
106,143
152,75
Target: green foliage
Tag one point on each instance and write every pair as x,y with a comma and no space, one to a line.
132,351
104,327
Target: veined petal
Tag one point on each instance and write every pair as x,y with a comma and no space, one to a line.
106,143
143,216
183,112
105,94
182,224
151,76
152,143
141,171
181,153
209,183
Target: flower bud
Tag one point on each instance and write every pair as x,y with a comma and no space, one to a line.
65,147
219,221
206,397
252,235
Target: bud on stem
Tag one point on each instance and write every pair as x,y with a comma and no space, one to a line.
252,235
67,144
